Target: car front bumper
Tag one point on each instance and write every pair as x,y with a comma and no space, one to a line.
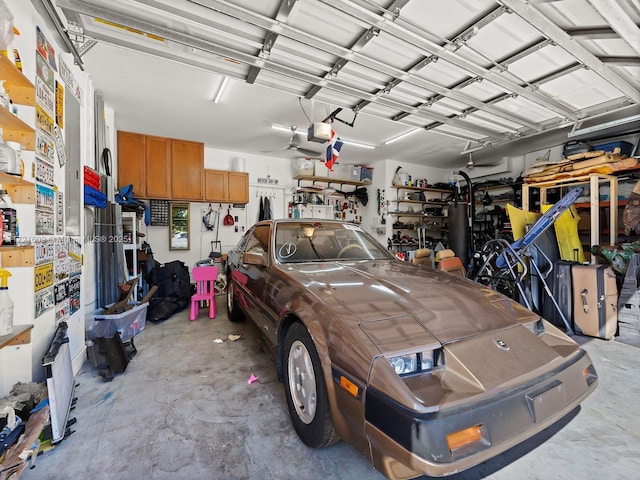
419,440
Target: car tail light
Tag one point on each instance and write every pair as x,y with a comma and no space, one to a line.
465,437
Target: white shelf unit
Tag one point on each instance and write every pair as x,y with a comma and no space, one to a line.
130,227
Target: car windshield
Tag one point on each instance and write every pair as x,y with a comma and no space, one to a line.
297,242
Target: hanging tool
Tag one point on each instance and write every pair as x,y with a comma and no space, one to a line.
216,245
228,218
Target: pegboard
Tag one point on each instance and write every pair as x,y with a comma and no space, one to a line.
159,212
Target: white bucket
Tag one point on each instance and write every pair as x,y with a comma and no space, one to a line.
239,165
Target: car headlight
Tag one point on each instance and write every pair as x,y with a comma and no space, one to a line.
417,362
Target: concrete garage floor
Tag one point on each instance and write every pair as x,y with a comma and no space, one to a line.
183,410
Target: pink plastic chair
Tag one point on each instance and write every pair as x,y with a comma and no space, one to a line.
205,278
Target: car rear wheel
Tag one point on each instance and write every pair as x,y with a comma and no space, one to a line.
233,311
306,390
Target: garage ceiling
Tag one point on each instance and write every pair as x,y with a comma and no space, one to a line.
467,76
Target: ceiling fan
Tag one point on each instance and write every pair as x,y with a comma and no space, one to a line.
471,164
294,145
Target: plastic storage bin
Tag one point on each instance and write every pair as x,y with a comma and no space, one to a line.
128,323
625,147
366,174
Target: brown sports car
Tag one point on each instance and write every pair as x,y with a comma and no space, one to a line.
422,371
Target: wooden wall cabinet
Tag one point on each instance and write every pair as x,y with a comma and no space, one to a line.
187,165
160,167
157,165
226,187
131,162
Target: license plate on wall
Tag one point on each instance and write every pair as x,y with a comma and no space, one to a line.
43,252
43,301
44,223
45,148
45,198
44,172
43,276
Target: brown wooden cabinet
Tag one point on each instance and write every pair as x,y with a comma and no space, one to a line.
157,165
131,162
238,187
160,167
226,187
187,167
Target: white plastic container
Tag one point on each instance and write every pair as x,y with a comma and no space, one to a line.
13,166
4,98
6,304
239,165
7,157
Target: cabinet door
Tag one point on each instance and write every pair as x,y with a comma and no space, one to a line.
216,184
131,161
158,167
238,187
187,170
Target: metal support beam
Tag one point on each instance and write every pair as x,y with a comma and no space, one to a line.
622,23
552,31
417,37
593,33
366,37
270,39
86,8
621,61
59,27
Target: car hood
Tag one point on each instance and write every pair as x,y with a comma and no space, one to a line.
449,307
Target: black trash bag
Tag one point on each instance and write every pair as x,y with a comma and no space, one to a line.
174,290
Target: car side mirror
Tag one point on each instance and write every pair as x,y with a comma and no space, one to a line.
255,258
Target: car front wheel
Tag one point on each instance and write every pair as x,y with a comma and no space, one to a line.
233,311
306,390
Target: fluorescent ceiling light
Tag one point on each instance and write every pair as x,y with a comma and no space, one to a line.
400,137
288,129
223,85
356,144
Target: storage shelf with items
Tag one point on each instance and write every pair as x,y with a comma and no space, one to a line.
21,92
20,191
496,194
594,181
329,181
129,238
491,198
430,215
314,200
